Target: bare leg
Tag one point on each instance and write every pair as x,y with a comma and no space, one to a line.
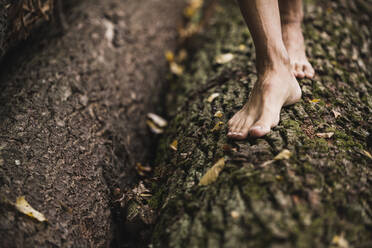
276,85
291,15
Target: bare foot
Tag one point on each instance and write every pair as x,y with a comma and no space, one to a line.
294,42
274,88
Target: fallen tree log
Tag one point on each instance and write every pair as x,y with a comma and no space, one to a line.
72,121
318,192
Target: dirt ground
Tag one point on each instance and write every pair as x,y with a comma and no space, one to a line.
72,120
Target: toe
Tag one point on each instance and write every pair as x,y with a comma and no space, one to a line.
264,124
299,70
234,129
243,129
309,71
259,130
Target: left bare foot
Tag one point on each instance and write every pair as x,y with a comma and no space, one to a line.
294,42
274,88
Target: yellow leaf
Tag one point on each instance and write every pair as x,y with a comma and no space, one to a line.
325,135
279,177
212,97
242,47
218,114
285,154
315,100
211,175
217,126
189,11
174,145
367,154
169,56
224,58
175,68
340,241
24,207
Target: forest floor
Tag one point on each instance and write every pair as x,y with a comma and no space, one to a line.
75,142
73,121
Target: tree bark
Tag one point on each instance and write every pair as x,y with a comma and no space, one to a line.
72,120
321,196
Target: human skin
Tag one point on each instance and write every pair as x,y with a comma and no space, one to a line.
278,63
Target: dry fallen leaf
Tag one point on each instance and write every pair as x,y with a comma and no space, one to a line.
367,154
285,154
336,113
142,170
279,177
325,135
340,241
217,126
235,214
24,207
228,148
212,97
315,100
153,127
242,47
211,175
145,195
175,68
174,145
224,58
159,121
192,7
169,56
182,55
218,114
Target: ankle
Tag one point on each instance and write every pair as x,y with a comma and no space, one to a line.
292,19
271,60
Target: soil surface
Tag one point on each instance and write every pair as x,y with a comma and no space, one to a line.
72,120
320,193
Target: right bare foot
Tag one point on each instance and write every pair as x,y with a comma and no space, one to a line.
274,88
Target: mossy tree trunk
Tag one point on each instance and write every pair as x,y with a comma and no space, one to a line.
322,195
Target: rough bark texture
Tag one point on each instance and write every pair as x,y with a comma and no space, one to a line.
320,196
72,120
